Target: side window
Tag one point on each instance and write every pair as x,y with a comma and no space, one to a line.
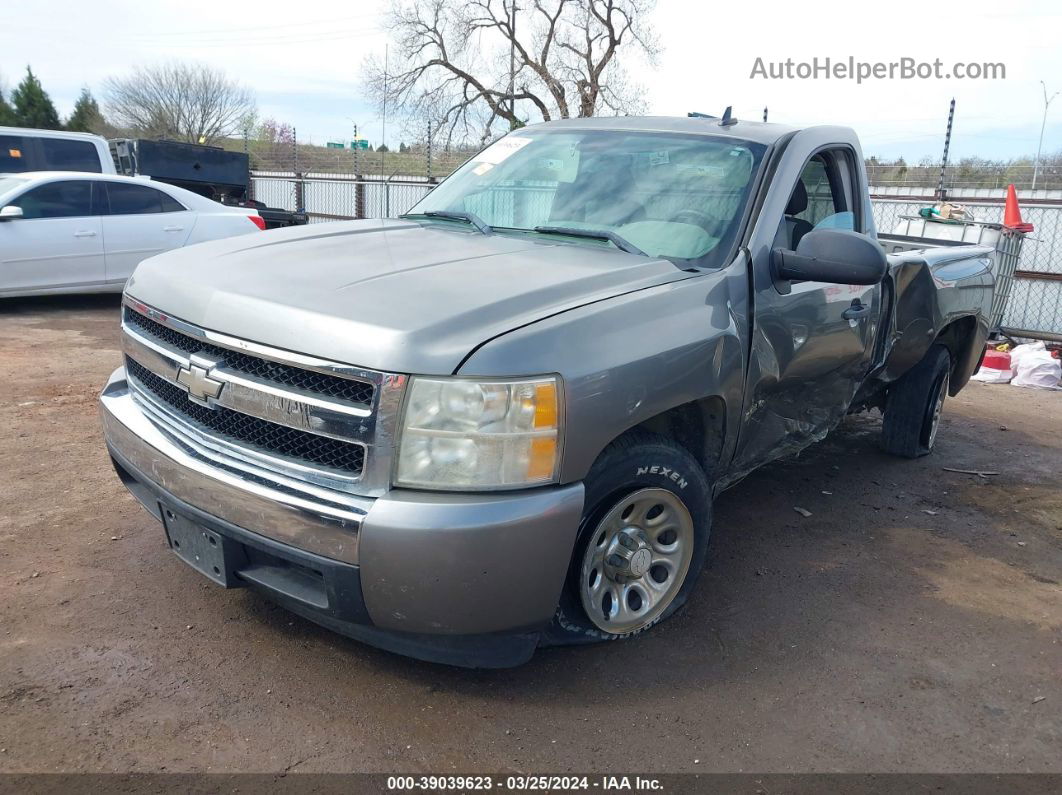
822,201
64,155
171,205
822,198
68,199
15,155
129,199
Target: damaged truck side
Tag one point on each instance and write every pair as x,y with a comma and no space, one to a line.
500,420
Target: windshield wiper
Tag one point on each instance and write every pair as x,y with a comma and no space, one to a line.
594,234
455,215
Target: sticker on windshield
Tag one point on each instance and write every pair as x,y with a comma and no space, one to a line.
500,150
659,158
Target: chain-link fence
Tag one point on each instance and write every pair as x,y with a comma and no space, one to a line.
279,149
339,197
964,176
1034,306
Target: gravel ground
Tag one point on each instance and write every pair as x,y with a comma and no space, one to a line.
912,622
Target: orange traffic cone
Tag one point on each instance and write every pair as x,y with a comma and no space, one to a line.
1012,213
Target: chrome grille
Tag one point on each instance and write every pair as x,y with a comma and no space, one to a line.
240,428
329,386
301,422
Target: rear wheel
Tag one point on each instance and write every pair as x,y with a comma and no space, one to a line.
914,405
642,542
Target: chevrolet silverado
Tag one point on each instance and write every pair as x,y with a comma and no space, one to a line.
500,420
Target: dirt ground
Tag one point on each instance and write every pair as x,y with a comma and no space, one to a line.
912,622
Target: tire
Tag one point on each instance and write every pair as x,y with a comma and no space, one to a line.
660,553
913,406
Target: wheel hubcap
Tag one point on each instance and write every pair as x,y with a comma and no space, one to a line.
938,408
636,561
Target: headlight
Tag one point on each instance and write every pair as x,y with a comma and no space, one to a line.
461,434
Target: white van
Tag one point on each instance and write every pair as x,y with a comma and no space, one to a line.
23,149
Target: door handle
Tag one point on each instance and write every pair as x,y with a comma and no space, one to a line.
84,233
173,229
857,311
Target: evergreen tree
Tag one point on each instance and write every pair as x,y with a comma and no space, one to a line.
86,116
33,106
7,113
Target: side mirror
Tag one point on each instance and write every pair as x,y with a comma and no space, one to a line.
836,256
10,213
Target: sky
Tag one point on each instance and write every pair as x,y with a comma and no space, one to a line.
304,60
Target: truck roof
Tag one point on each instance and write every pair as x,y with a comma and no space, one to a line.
756,131
33,132
57,174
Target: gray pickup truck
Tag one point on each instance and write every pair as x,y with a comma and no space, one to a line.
500,420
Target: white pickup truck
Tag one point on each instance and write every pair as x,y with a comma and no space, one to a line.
23,149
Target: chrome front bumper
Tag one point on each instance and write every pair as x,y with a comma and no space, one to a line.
327,527
428,563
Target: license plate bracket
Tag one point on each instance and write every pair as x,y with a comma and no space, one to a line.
211,554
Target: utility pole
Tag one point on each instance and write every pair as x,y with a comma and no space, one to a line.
512,64
1047,104
383,119
942,194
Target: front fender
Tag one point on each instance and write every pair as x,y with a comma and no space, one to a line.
627,359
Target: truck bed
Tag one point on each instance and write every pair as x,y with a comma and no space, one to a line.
895,244
927,290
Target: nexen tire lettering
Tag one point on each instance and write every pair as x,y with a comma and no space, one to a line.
670,474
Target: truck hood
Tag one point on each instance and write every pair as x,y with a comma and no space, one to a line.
388,295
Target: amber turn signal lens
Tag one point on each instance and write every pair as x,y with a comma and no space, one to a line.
546,405
542,458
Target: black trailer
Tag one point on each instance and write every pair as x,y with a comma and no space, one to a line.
210,171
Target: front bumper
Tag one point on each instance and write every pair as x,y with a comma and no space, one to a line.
465,579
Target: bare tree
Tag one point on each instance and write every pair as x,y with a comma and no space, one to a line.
186,102
273,146
471,66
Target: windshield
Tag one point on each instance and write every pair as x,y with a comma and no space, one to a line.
668,195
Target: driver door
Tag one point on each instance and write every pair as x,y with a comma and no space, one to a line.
58,241
812,342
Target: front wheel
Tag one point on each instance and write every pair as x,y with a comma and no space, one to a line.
642,541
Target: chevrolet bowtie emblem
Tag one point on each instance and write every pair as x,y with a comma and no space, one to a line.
196,379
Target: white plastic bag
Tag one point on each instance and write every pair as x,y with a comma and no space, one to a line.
1023,349
1034,366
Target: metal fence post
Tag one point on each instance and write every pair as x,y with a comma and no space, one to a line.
247,152
354,143
429,151
295,168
